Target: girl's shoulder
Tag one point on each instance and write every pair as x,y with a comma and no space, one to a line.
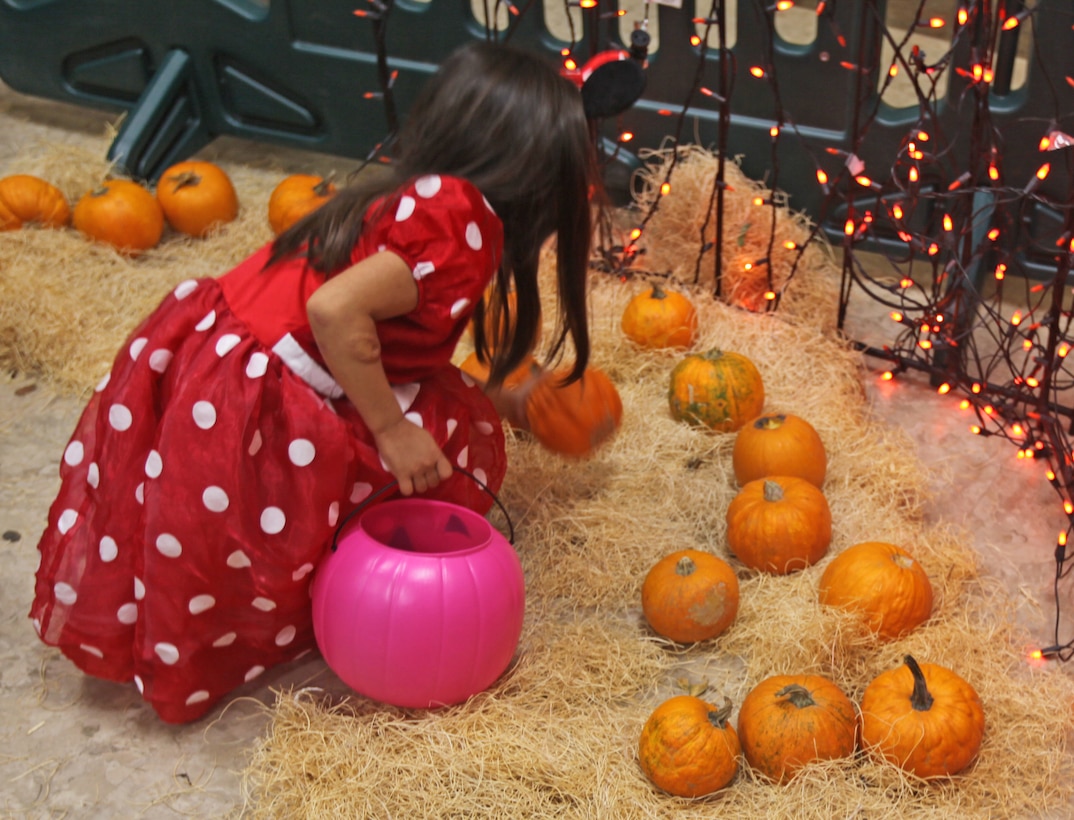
444,191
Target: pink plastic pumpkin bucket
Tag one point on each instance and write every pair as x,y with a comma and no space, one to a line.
419,604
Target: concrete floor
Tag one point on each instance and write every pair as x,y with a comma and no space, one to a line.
76,747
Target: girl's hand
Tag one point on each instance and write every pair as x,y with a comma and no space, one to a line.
413,457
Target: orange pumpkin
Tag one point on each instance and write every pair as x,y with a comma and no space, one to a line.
121,213
923,718
789,721
688,747
718,389
26,198
294,197
658,318
480,371
690,596
574,419
779,524
196,197
883,583
779,444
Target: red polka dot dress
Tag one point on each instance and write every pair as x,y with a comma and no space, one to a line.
211,467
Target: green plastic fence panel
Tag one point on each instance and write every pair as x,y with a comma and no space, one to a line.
295,72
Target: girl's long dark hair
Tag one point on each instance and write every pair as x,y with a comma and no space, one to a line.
504,119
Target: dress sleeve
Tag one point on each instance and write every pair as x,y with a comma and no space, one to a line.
448,235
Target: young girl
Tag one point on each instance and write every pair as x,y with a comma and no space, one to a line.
249,413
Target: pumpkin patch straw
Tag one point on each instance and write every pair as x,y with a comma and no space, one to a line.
557,735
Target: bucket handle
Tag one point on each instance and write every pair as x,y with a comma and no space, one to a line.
393,484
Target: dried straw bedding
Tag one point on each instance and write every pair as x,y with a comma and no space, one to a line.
557,734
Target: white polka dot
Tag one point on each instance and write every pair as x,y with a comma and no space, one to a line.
285,635
272,520
463,458
65,593
93,475
405,209
108,549
257,366
119,417
159,359
264,604
37,626
255,443
201,603
423,269
74,454
301,452
184,289
459,306
197,697
225,640
238,560
138,683
405,394
167,652
215,499
469,382
127,614
226,343
451,425
333,513
66,521
168,545
414,418
137,346
204,414
484,428
480,475
207,321
139,589
253,672
360,491
103,383
154,465
427,187
302,572
139,493
487,203
92,650
473,236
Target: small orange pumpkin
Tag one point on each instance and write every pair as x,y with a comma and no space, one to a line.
779,524
690,596
26,198
480,371
882,582
779,444
294,197
789,721
121,213
658,318
196,197
718,389
688,747
574,419
923,718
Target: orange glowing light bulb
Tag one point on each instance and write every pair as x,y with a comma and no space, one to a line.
848,228
665,189
913,173
975,429
1063,350
790,244
822,177
963,15
887,375
944,389
570,64
757,71
695,40
896,211
936,22
635,234
894,70
1068,508
948,223
905,282
774,131
1011,23
923,136
1045,143
964,404
896,316
758,200
1016,319
993,172
770,295
1042,172
925,344
993,234
1032,381
783,5
1001,271
626,136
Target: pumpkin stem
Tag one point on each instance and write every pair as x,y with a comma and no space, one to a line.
321,188
685,567
719,717
797,694
658,293
920,698
772,491
184,180
771,422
